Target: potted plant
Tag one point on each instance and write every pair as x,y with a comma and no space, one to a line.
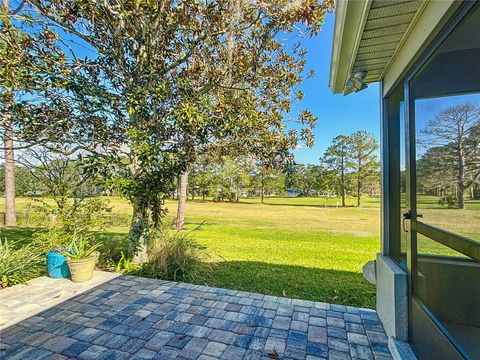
81,260
70,220
53,241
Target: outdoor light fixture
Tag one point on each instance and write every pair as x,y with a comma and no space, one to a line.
356,83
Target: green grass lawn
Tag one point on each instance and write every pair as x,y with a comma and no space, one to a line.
301,248
305,252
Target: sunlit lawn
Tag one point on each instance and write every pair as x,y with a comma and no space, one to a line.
302,247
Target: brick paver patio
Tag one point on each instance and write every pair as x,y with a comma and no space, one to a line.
121,317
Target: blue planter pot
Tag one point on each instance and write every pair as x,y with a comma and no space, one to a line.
57,266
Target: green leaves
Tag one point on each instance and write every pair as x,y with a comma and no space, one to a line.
18,264
80,249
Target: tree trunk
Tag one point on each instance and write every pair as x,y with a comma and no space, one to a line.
262,189
359,181
359,193
192,189
10,216
182,200
138,233
461,176
342,176
461,196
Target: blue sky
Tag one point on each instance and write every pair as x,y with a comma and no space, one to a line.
337,114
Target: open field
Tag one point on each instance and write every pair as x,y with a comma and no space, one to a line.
289,247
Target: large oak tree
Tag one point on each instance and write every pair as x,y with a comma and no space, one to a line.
164,79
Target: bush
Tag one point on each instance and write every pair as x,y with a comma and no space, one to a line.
19,265
450,201
72,222
173,255
123,265
51,238
77,215
114,247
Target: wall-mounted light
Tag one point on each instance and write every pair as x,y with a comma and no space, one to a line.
356,83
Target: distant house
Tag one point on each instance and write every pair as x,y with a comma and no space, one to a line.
426,57
292,193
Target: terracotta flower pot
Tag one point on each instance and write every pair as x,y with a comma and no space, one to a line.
82,270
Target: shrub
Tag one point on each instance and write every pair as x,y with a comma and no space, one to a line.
450,201
174,255
51,238
18,265
114,247
123,265
72,222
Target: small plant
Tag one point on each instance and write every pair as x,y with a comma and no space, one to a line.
81,259
123,265
173,255
18,265
80,250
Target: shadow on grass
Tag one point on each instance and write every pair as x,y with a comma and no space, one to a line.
20,235
327,285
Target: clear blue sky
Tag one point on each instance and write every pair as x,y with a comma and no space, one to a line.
337,114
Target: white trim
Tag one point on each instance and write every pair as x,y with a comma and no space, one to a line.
345,40
340,14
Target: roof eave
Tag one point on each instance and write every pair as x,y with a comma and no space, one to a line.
346,40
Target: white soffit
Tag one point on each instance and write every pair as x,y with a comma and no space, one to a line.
386,26
379,29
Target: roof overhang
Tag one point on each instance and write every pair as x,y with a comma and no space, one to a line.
367,36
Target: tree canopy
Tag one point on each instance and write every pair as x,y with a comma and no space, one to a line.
141,88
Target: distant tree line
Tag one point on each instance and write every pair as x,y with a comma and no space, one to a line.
348,167
26,184
55,177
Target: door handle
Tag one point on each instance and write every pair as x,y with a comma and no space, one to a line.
409,216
